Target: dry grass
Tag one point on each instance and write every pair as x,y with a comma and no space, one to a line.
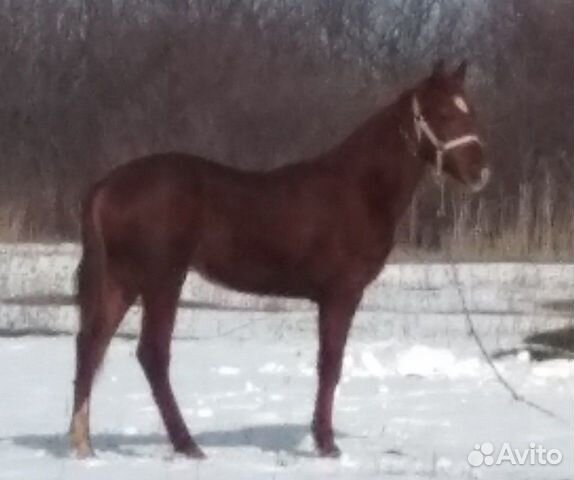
12,224
536,225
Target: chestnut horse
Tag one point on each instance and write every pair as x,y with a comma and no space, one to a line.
320,230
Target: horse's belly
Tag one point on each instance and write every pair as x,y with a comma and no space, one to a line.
253,275
260,285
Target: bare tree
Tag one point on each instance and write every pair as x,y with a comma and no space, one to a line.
89,84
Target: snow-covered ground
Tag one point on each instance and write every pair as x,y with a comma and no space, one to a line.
404,409
415,400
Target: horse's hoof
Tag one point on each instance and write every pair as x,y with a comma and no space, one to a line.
330,451
192,451
82,452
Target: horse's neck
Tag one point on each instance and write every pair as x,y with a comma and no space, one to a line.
382,155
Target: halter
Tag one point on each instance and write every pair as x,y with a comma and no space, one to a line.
423,127
441,147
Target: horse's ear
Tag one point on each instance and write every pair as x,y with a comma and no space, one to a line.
438,70
460,73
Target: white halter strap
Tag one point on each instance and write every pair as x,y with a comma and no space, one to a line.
441,147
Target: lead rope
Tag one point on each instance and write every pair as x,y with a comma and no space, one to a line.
439,178
473,333
421,126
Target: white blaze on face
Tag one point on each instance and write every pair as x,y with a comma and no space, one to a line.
461,104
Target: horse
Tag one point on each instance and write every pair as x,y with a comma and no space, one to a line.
320,229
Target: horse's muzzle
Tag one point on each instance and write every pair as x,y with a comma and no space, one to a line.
479,184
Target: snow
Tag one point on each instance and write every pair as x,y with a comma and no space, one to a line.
404,408
425,361
415,399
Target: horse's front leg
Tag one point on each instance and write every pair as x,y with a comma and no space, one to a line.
335,317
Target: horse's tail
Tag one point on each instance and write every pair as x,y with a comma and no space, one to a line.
91,272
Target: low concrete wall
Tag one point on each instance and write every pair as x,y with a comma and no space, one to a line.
37,284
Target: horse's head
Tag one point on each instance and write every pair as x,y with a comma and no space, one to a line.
445,127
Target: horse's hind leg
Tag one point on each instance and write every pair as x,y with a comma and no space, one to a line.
160,306
99,322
